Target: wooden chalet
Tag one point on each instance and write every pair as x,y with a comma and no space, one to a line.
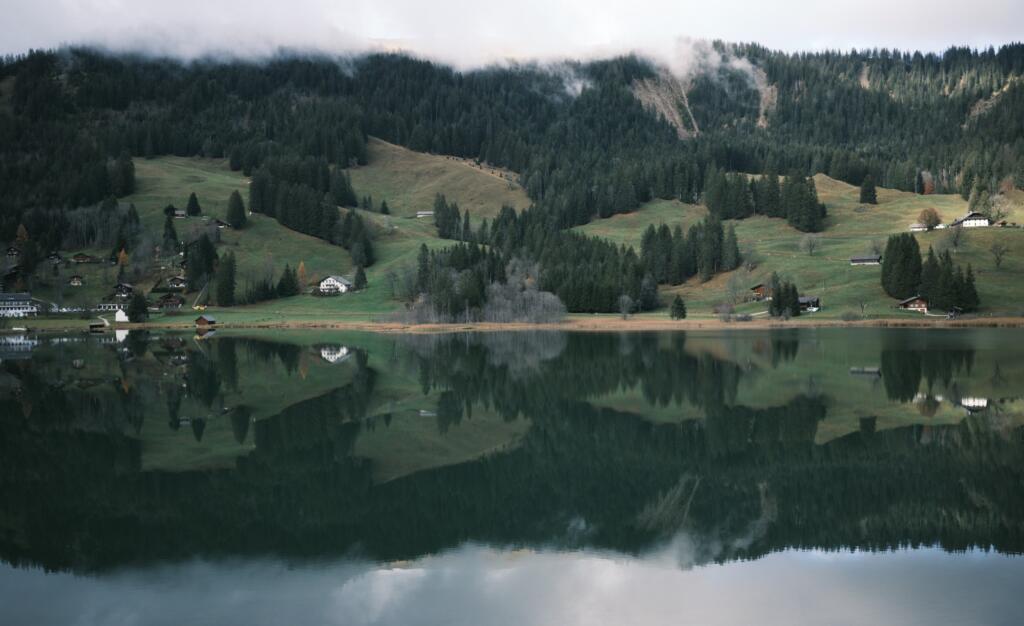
914,303
170,301
76,281
760,292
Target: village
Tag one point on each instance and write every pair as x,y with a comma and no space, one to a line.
169,294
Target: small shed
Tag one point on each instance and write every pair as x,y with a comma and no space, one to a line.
914,303
809,303
872,259
206,321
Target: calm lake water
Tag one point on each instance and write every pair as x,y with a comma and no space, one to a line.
828,476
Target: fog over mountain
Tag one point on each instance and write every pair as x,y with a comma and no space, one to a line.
469,34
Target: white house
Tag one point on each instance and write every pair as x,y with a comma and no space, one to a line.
918,227
424,214
120,316
17,305
334,285
973,220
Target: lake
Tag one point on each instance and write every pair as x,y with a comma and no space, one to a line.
794,476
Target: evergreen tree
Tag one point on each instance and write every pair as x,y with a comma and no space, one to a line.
288,284
678,311
730,250
226,280
901,266
929,276
192,208
969,300
423,269
868,194
236,211
359,282
138,309
384,209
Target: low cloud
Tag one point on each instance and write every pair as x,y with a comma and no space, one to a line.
473,34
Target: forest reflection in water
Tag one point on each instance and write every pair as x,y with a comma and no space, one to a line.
161,448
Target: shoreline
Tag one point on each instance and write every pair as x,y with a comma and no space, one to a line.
578,324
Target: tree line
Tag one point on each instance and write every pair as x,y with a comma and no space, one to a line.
944,284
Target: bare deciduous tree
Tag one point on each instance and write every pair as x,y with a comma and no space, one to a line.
999,251
809,243
625,305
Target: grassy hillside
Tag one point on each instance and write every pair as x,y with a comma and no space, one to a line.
409,181
851,230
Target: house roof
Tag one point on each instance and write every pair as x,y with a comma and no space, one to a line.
912,298
807,299
340,279
758,285
15,297
873,257
208,318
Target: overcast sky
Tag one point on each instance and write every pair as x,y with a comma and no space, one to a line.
473,32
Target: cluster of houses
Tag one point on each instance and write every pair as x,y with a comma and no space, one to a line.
973,219
762,293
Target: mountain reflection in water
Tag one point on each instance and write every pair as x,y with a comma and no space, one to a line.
161,449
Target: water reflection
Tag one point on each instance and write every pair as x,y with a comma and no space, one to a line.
163,448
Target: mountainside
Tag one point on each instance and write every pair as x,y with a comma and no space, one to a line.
589,141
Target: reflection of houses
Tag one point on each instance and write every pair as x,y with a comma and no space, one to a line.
206,321
809,304
974,404
914,303
334,285
17,305
76,281
872,372
81,257
874,259
334,354
972,220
